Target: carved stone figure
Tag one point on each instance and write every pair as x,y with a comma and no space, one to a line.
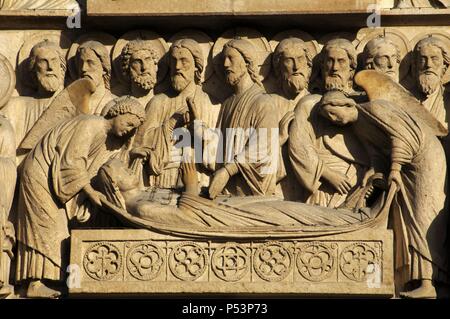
246,117
292,62
122,191
338,63
431,60
417,166
327,160
382,55
163,116
7,184
140,66
56,185
47,67
93,62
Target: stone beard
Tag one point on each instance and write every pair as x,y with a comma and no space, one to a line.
339,63
429,81
232,77
145,80
180,81
337,81
295,82
50,82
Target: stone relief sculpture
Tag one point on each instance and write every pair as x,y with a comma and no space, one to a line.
292,63
431,61
327,161
8,183
56,188
383,55
223,215
91,59
276,166
245,115
338,65
45,69
155,143
139,63
417,167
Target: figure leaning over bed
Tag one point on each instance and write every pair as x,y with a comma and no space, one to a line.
407,139
56,185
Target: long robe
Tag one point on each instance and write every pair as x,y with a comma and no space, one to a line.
7,185
54,172
248,124
314,143
437,103
162,171
285,175
23,112
419,216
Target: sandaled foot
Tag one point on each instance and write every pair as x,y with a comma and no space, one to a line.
425,291
37,289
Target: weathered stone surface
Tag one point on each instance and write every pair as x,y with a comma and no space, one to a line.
143,262
224,147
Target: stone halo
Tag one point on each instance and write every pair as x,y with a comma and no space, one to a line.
445,36
9,80
309,40
104,38
158,44
262,47
206,44
395,36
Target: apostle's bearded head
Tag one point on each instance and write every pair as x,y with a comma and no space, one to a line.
382,55
186,63
432,58
239,60
338,58
93,62
140,64
47,67
292,63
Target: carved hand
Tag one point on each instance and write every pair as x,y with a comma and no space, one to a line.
338,180
95,196
218,182
368,176
193,109
140,152
395,177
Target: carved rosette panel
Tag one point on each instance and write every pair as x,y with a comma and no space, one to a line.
230,262
272,261
102,261
315,261
188,261
145,261
357,260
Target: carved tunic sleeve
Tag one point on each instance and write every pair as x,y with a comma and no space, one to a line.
71,163
307,164
406,132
